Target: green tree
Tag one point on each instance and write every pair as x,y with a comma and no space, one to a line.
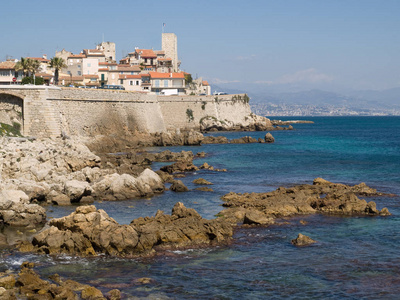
30,80
188,78
24,65
57,63
28,66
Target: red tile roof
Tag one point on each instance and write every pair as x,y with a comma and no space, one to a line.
41,59
205,83
146,53
164,59
103,69
77,56
91,76
128,68
7,65
167,75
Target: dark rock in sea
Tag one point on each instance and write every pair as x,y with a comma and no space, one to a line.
180,166
178,186
243,140
201,181
302,240
215,140
255,217
204,189
206,166
165,176
269,138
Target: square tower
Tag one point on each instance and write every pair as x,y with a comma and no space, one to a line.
169,45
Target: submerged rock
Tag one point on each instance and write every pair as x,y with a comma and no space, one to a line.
202,181
178,186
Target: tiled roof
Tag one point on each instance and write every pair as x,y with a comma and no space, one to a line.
164,59
128,68
167,75
44,75
107,64
205,83
77,56
103,69
41,59
7,65
146,53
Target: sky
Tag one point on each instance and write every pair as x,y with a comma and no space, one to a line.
327,44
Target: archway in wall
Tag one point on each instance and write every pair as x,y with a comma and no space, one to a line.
11,111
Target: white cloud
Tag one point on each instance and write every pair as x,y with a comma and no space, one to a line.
304,76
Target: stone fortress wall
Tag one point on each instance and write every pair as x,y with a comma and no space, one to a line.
51,112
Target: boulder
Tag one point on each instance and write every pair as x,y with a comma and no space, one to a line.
269,138
303,240
215,140
244,140
178,186
201,181
180,166
255,217
75,189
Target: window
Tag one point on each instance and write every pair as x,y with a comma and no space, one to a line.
157,83
79,66
131,82
137,82
165,83
89,65
79,73
121,81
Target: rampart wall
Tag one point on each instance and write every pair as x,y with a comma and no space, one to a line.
53,111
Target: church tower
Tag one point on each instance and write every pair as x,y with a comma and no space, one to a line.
169,45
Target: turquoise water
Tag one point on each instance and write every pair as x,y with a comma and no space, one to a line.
355,258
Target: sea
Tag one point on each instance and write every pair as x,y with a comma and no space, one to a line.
354,257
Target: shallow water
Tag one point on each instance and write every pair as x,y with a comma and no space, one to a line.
354,257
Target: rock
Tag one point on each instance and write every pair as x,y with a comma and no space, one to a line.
192,138
149,182
204,189
206,166
321,197
75,189
92,293
243,140
89,231
254,217
61,199
201,154
165,177
269,138
15,210
201,181
178,186
114,295
215,140
180,166
303,240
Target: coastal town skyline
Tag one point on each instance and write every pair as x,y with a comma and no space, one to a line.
340,45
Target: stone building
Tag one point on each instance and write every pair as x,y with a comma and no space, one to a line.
169,45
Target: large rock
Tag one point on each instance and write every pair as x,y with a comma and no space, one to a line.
89,231
269,138
302,240
321,197
75,189
178,186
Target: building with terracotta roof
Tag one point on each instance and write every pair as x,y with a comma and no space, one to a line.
167,83
7,73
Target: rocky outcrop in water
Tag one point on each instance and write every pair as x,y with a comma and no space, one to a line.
321,197
89,231
27,284
251,122
302,240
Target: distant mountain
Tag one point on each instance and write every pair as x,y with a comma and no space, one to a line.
365,102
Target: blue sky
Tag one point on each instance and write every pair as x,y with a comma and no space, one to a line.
351,44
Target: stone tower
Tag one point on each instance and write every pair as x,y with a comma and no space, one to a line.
170,46
109,50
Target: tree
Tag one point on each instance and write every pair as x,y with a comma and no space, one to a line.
188,78
57,63
24,65
28,66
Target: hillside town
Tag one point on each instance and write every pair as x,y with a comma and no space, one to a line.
142,70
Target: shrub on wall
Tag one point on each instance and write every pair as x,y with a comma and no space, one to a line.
189,114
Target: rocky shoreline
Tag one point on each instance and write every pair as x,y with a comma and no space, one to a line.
37,173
